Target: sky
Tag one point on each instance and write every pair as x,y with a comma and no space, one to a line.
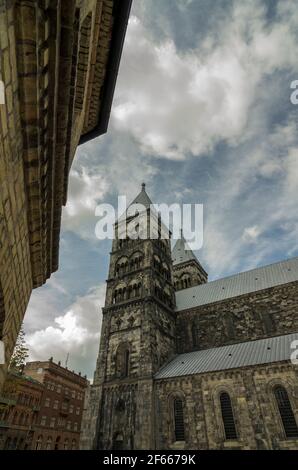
202,114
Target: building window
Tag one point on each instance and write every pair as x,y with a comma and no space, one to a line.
57,442
73,393
43,421
61,422
75,426
179,420
227,416
64,405
59,388
38,443
53,422
49,443
78,410
123,360
286,412
66,444
56,404
68,426
73,444
47,402
71,408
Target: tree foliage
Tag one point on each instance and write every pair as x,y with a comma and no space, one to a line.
20,353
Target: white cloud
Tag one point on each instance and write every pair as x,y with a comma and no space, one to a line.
250,234
86,189
173,103
248,210
76,332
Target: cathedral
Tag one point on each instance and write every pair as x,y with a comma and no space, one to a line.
185,363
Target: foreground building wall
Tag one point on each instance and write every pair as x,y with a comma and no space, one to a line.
58,67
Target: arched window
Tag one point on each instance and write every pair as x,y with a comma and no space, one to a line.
120,294
185,281
286,412
179,420
136,260
49,443
121,266
38,443
118,442
123,360
228,416
57,443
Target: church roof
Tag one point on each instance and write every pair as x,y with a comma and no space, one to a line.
142,198
254,280
182,253
250,353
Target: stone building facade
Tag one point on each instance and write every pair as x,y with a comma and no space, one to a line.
190,364
58,67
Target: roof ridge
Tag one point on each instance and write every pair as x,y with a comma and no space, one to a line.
246,282
244,272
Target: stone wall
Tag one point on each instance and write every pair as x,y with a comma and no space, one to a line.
15,259
270,312
54,66
188,274
256,415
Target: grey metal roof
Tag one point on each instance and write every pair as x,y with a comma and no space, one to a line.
238,284
181,252
263,351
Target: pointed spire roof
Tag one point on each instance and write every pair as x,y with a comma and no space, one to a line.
181,252
142,198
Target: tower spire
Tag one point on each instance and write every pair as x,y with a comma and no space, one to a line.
143,186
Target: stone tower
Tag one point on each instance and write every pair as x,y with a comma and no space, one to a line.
138,333
187,270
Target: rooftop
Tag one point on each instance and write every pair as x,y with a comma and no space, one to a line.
181,252
254,280
263,351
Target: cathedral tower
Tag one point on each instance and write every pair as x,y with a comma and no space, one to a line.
138,332
187,270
